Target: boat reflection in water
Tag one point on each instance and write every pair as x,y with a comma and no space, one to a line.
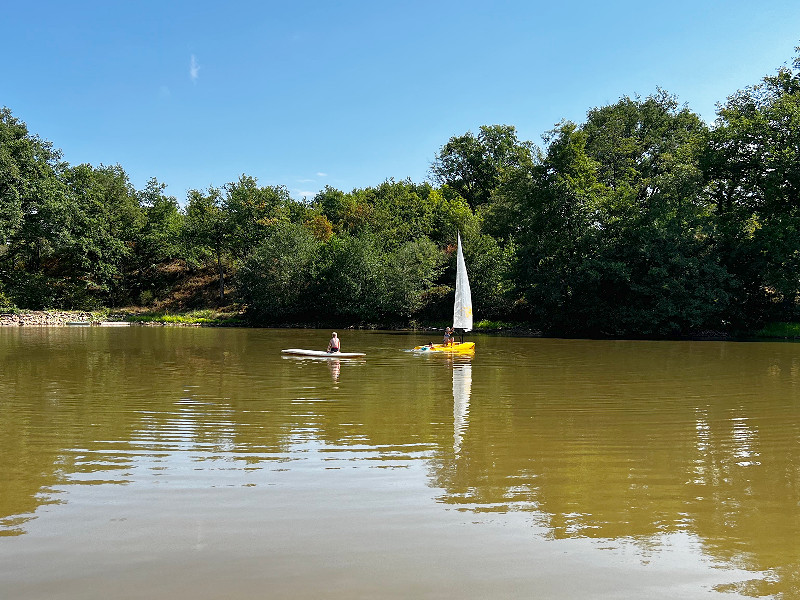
334,364
462,387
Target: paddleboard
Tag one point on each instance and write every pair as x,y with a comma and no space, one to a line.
321,353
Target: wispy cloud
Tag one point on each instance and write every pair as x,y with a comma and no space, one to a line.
304,194
322,174
194,69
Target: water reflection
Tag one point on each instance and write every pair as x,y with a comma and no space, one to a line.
334,364
336,369
462,388
629,445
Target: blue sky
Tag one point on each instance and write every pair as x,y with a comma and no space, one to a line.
350,93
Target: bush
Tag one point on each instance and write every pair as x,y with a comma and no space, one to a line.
6,305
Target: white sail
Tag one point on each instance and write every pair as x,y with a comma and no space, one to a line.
462,311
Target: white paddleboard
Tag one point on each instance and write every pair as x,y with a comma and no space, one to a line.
321,353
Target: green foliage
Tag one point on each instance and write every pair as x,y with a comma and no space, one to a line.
490,268
277,281
207,233
197,317
250,212
294,277
351,286
753,161
101,221
396,211
29,169
158,239
779,330
156,242
640,221
613,236
410,272
474,165
39,291
6,304
487,325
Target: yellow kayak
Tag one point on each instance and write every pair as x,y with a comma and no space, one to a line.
450,348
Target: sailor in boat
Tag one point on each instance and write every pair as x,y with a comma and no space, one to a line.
335,345
448,337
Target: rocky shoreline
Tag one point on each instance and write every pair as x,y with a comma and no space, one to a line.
72,318
46,318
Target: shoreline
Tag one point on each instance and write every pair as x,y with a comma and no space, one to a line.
71,318
45,318
122,318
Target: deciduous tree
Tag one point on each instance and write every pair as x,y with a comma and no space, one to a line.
474,165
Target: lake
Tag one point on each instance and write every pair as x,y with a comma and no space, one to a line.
200,463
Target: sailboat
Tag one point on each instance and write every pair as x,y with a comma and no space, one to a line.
462,311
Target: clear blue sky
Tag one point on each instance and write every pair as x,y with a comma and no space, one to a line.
351,93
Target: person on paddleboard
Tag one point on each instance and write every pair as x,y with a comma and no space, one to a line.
335,344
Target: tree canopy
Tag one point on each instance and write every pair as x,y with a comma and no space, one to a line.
640,220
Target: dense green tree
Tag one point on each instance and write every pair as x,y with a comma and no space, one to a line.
29,170
410,273
158,240
351,285
334,205
101,225
398,212
207,231
491,278
277,280
32,195
554,216
753,165
294,276
475,165
252,210
450,214
75,242
159,236
665,277
31,249
614,228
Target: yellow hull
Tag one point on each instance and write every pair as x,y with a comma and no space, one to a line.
449,348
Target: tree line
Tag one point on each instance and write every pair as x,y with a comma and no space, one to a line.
642,220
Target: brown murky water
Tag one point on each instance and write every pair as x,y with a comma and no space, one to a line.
199,464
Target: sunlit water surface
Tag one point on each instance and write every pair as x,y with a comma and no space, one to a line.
196,464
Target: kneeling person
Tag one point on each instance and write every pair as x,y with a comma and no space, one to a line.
335,344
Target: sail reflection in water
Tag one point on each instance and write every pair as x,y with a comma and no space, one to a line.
462,387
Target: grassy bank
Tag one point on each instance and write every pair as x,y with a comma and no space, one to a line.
780,330
206,316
